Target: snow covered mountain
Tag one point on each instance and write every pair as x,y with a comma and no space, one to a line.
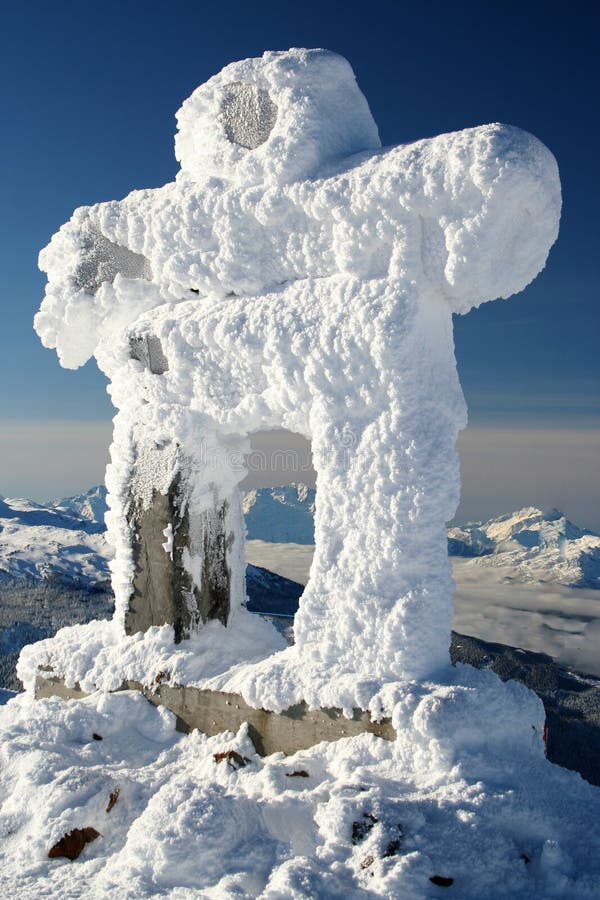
90,506
63,539
281,515
61,542
531,545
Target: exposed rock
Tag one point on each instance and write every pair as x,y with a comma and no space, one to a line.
232,758
113,797
361,828
71,845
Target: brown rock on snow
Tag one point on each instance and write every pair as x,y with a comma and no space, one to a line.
73,843
114,796
441,881
232,758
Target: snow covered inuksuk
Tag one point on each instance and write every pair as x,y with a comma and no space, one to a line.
294,275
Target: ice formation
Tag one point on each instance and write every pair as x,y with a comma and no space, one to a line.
294,275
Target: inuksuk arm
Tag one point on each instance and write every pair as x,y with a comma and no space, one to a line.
475,211
85,261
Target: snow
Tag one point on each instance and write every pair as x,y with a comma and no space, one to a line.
308,284
58,543
89,505
371,818
535,545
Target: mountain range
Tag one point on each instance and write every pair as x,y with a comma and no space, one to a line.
62,540
54,572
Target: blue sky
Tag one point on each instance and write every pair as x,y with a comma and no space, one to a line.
89,97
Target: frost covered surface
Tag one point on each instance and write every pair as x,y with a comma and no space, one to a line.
296,275
367,818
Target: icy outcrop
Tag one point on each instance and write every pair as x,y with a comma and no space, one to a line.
296,275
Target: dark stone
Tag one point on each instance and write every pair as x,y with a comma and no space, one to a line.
393,847
361,829
441,881
163,591
213,595
97,737
114,796
152,601
232,758
71,845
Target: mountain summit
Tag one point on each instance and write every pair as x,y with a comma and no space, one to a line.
534,545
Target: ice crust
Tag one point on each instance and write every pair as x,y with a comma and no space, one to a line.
296,275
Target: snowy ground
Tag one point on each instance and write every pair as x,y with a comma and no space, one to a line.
359,818
491,604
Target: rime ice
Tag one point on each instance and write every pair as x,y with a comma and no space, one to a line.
294,275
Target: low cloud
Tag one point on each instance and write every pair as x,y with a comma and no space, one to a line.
42,460
504,467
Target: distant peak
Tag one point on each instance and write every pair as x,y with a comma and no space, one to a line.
552,514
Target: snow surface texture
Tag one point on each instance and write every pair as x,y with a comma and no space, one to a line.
360,817
297,276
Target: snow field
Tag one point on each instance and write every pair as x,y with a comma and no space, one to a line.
368,818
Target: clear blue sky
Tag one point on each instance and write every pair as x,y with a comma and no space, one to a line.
89,96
